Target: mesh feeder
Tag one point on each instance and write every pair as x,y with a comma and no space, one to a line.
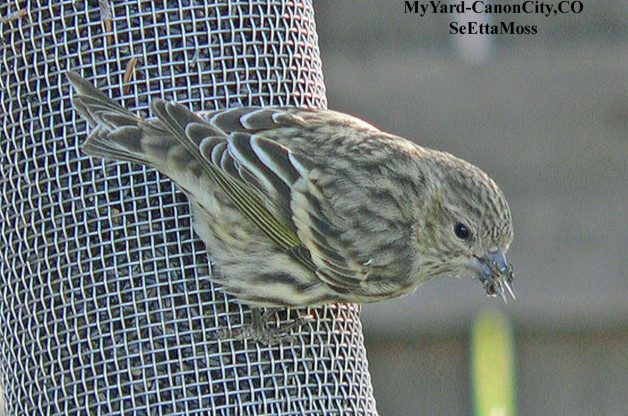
107,304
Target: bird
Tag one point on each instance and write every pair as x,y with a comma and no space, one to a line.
305,207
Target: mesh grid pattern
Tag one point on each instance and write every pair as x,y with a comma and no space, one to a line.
106,302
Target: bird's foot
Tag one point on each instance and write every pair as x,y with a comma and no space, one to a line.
259,330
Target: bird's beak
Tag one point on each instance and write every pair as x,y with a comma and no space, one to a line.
495,273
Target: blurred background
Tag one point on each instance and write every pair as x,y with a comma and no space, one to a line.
546,116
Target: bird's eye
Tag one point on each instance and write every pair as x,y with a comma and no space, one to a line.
462,231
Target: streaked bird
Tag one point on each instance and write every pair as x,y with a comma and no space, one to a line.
303,207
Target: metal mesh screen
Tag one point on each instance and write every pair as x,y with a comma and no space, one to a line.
107,305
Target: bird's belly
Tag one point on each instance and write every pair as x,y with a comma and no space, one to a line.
250,266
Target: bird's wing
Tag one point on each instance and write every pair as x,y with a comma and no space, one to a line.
268,183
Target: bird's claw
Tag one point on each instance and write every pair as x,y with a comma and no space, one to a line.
259,331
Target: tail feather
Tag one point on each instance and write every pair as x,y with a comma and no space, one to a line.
101,144
160,142
90,102
118,134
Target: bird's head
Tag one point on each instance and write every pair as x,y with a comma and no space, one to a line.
468,226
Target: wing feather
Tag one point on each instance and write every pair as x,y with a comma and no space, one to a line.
268,183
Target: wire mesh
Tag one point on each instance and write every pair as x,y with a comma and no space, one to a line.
107,304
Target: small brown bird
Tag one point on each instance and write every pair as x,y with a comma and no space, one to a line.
306,207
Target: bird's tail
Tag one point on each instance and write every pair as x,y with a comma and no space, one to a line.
118,134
